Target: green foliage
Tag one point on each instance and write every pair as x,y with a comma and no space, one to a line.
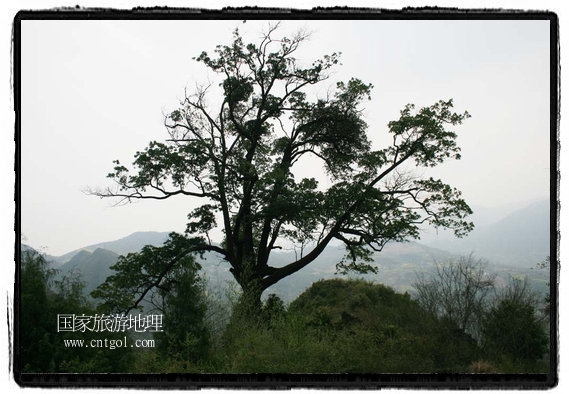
273,310
183,307
340,326
509,331
425,135
35,346
140,274
513,328
151,361
546,265
380,310
167,279
42,347
239,158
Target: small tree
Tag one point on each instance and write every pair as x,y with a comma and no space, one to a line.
238,159
148,275
177,293
457,292
35,348
184,308
273,309
513,327
41,344
546,265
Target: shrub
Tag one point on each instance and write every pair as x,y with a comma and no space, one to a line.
513,328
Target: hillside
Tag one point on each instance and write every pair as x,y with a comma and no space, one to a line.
94,267
521,239
352,325
129,244
53,260
397,264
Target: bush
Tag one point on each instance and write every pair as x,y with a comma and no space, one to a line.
457,292
513,328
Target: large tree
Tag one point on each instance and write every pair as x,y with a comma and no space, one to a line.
237,158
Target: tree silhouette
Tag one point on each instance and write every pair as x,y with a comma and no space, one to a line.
238,158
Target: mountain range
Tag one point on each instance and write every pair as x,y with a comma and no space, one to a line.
513,244
521,238
132,243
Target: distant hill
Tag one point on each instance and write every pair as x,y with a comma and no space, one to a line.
53,260
522,238
483,215
94,267
397,263
129,244
513,244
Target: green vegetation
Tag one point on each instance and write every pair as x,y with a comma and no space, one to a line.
342,326
546,265
335,326
508,325
512,330
457,292
42,348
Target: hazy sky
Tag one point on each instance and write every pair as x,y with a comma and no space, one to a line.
96,91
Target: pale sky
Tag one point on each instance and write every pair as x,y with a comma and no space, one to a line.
96,91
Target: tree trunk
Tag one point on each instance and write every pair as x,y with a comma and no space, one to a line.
249,305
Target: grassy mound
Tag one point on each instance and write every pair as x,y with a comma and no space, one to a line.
339,326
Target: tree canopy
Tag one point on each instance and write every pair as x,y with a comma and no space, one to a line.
238,158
